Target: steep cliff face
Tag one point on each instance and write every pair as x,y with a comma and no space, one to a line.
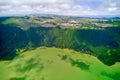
11,39
102,43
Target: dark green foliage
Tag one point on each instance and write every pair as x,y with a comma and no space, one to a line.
114,76
13,38
64,57
18,78
80,65
94,37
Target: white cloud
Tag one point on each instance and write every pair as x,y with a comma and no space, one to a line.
112,9
61,7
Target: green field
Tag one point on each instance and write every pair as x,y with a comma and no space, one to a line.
57,64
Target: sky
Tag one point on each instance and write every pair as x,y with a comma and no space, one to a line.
60,7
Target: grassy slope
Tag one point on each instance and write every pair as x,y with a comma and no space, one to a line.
57,64
11,20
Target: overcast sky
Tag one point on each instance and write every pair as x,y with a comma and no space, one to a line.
60,7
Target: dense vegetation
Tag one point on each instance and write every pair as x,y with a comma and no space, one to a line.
103,43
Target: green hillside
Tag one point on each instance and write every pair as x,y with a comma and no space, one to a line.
57,64
103,44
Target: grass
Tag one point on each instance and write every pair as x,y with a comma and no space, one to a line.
57,64
9,21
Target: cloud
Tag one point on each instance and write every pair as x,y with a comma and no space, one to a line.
60,7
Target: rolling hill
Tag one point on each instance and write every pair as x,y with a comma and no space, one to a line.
45,63
75,48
